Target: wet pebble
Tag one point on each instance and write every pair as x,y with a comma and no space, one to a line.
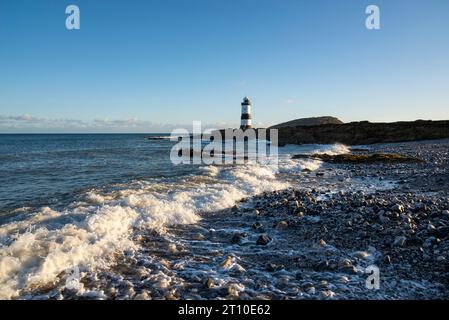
282,225
399,241
399,208
263,240
238,237
142,296
209,283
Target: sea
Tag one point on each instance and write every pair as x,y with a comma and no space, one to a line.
79,200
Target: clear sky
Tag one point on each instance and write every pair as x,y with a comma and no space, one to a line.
155,64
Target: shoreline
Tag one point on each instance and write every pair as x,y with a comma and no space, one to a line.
312,240
308,243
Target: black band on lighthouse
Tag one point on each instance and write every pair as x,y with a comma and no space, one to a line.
245,116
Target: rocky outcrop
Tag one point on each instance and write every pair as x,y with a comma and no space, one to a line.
360,158
360,133
316,121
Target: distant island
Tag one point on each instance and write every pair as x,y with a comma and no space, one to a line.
328,130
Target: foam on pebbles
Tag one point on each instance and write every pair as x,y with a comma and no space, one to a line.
315,240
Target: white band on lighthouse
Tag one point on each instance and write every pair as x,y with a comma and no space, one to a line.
246,109
245,123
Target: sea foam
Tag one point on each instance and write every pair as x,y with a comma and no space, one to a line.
39,250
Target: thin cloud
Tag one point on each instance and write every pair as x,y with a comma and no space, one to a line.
28,123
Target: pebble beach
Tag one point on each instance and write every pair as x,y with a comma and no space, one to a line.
313,241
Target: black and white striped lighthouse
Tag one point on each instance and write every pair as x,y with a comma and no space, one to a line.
245,120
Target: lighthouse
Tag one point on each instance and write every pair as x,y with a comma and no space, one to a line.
245,120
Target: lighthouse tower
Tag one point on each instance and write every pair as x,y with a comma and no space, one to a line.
245,122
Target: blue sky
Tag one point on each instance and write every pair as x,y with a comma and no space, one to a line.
157,64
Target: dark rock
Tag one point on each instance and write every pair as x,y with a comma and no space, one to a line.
322,266
358,150
263,240
238,237
397,208
442,232
257,226
360,158
271,267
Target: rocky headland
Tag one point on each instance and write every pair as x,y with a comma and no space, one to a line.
314,121
362,133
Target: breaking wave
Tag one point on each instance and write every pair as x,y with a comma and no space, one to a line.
89,233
